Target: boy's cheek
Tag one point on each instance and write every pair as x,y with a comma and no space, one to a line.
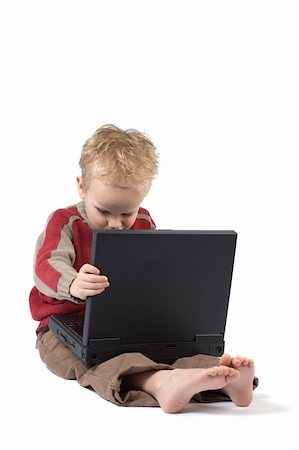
130,222
96,222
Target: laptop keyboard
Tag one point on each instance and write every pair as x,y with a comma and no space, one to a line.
76,327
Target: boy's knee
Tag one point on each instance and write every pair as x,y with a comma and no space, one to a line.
58,358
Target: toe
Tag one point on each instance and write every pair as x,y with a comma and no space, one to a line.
236,362
225,360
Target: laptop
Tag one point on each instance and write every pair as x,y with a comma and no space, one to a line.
168,296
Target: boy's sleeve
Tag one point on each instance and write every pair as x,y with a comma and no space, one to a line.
144,221
152,223
54,258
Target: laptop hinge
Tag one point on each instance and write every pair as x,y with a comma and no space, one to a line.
208,337
105,343
211,344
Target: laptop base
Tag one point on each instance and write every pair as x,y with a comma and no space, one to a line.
100,350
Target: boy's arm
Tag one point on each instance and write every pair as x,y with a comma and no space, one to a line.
54,259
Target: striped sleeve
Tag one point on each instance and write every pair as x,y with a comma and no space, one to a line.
55,256
144,221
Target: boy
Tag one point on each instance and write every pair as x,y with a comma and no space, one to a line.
117,170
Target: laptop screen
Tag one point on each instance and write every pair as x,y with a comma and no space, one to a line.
165,285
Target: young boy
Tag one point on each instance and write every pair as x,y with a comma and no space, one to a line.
117,170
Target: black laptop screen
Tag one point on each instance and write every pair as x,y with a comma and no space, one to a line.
164,285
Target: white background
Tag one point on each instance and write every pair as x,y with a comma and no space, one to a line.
215,85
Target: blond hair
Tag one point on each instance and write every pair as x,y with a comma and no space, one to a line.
125,158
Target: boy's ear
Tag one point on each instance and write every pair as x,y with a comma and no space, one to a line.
80,186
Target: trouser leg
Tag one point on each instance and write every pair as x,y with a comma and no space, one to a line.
106,378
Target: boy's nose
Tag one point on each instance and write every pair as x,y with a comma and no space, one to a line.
115,224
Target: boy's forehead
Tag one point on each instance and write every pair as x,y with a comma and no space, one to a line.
104,188
111,196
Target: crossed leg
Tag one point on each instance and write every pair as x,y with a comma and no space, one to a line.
173,389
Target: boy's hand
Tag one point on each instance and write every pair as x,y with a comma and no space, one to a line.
88,282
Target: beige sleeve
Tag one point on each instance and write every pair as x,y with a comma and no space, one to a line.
58,261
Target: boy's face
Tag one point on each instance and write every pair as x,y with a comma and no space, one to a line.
108,206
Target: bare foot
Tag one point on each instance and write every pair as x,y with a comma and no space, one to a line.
173,389
225,360
240,392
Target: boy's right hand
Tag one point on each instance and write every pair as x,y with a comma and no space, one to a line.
89,281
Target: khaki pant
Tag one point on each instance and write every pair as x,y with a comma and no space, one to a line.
106,378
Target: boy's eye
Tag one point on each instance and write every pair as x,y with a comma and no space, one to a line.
103,211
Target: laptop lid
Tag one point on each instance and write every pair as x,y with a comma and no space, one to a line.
165,285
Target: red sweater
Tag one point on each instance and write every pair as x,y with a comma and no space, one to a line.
61,251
